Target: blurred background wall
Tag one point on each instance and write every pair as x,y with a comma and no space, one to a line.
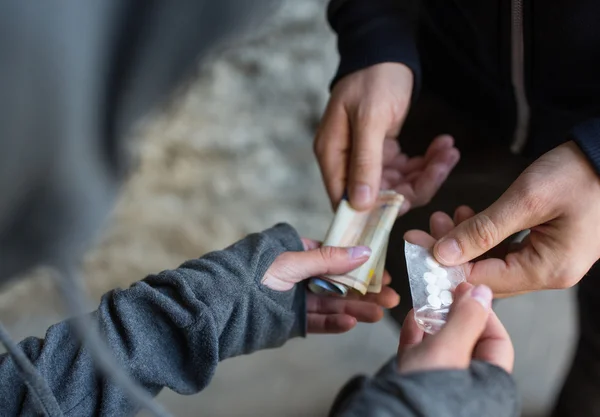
230,155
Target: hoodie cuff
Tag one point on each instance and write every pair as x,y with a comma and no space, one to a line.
587,136
373,32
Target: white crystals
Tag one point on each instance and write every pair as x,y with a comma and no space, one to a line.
440,272
444,283
433,289
430,277
446,297
434,301
431,263
438,284
431,286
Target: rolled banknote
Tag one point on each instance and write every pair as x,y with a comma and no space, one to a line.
361,228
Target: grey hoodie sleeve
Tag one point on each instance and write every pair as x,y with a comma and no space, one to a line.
169,330
481,390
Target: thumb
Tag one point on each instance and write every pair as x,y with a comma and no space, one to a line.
484,231
366,161
292,267
466,322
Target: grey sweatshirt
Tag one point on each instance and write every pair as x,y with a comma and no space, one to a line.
173,328
75,76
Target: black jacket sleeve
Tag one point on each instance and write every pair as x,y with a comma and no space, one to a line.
587,136
372,32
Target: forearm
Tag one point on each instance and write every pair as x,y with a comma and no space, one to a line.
481,390
169,330
372,32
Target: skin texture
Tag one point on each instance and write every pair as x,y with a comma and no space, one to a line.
356,143
327,314
558,199
473,330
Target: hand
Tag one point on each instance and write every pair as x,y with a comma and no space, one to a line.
365,108
328,314
558,199
473,331
418,178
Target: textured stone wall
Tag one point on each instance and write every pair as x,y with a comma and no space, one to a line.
231,154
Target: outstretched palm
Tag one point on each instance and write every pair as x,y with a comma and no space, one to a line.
418,178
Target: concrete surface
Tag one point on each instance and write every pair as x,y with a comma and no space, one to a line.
232,154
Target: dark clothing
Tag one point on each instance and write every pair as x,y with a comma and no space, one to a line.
75,77
512,64
172,329
482,175
522,75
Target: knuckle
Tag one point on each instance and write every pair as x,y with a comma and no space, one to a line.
327,253
371,113
484,232
363,160
533,202
531,196
563,278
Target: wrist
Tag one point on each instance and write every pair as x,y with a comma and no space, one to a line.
586,137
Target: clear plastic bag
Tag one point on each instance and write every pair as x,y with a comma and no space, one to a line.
432,287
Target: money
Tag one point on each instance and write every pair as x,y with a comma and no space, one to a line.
361,228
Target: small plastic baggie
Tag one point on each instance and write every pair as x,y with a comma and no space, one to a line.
432,287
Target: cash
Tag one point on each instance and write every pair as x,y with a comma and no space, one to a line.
361,228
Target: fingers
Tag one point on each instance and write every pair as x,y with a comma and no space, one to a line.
309,244
440,224
463,213
391,149
434,174
485,230
466,323
292,267
387,298
518,272
495,345
419,237
411,334
330,323
439,144
332,148
423,176
366,161
389,178
361,310
454,345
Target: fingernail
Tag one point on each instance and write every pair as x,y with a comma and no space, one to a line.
362,195
359,252
448,250
483,295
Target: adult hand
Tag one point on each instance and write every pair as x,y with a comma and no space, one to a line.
473,331
420,177
366,108
328,314
558,199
